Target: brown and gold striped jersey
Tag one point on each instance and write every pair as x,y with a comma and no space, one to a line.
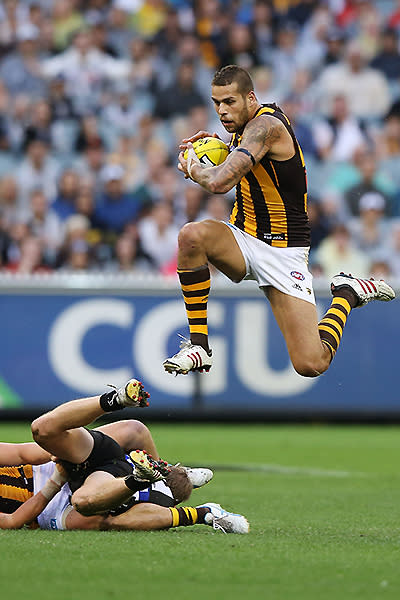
271,199
16,487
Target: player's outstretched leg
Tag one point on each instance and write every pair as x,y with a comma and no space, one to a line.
348,293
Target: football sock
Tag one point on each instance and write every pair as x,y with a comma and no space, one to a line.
134,485
186,515
331,326
195,284
109,401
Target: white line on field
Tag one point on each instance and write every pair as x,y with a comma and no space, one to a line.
286,470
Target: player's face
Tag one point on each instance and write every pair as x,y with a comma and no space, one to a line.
233,108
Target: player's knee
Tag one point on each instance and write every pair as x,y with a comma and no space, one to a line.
42,429
190,235
308,367
82,503
140,433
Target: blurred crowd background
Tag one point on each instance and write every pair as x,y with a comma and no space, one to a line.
96,95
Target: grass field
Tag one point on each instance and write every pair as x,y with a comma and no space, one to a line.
323,503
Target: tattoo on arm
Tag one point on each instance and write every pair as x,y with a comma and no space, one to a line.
259,135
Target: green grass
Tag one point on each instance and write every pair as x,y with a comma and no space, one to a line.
324,509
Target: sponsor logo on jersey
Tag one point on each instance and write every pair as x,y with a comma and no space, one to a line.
296,286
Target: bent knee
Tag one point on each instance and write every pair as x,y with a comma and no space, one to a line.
42,429
191,234
309,368
82,503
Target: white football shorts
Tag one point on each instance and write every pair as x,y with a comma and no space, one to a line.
55,513
285,269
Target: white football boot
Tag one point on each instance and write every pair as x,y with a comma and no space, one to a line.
132,394
199,476
189,358
364,289
222,520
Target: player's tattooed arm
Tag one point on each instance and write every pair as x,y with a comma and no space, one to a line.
259,136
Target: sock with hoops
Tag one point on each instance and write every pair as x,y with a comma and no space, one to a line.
187,515
331,326
195,284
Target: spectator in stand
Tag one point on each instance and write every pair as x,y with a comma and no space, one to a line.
159,235
371,181
339,135
115,208
284,57
387,60
45,225
365,88
179,98
21,70
8,200
303,131
262,26
76,228
40,125
31,259
64,204
66,20
319,223
337,253
120,33
37,170
88,134
217,207
128,258
90,165
334,46
61,106
371,229
86,70
241,48
191,205
128,154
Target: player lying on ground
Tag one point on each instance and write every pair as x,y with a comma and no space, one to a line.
267,237
150,508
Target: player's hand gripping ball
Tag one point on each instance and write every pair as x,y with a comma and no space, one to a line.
210,151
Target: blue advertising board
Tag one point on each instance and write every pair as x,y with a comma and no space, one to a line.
60,346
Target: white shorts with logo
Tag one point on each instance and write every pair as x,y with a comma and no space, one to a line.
55,513
285,269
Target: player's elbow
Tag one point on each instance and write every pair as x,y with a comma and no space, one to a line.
219,187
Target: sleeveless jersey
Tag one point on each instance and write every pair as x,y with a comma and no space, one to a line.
16,487
271,199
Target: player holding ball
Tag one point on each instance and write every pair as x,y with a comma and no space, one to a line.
268,235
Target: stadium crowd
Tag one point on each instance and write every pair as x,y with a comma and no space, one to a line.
95,96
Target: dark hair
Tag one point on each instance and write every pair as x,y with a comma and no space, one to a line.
231,74
179,483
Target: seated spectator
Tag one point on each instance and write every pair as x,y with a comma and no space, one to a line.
128,154
337,253
304,133
37,170
40,125
387,137
86,69
320,225
21,70
339,135
88,134
64,204
365,88
393,250
370,230
46,226
90,165
217,207
115,207
179,98
128,258
8,200
371,181
159,235
78,258
61,106
31,259
241,48
66,20
388,58
380,269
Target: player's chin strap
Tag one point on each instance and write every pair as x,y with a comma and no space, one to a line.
192,158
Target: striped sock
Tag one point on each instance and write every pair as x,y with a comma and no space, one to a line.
331,326
187,515
195,284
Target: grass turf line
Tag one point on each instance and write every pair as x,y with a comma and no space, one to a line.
311,536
